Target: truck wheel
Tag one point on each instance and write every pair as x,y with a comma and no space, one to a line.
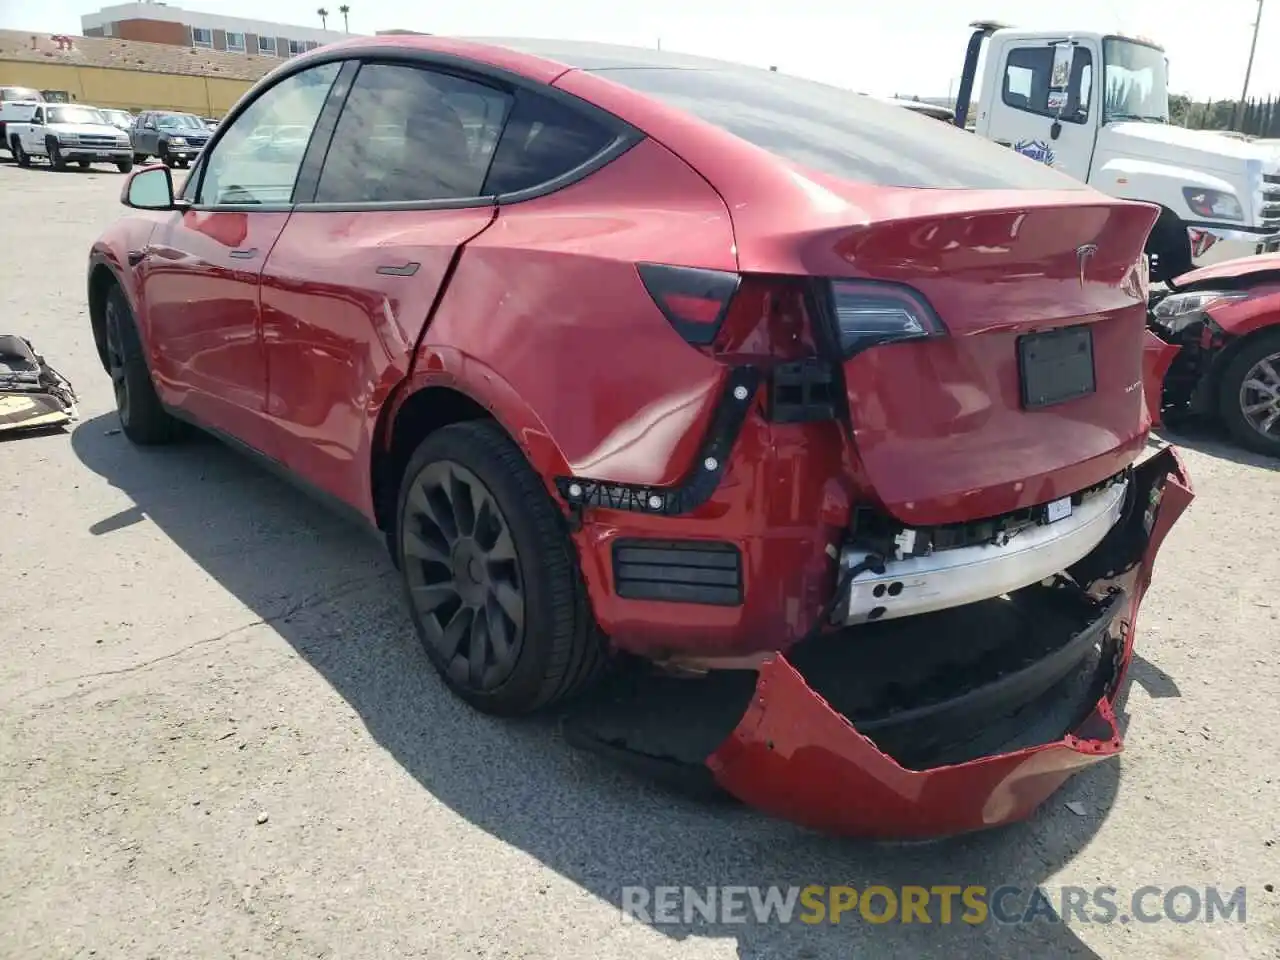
490,574
124,166
142,418
162,154
1249,395
139,158
56,159
83,164
20,155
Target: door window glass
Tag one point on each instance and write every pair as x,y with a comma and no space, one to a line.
257,159
408,134
1030,84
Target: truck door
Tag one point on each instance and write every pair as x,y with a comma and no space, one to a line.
32,132
1041,102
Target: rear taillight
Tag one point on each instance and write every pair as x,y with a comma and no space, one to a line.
870,312
693,300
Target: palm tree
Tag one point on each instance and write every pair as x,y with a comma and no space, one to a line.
344,10
323,14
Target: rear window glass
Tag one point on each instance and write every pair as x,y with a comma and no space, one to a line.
839,132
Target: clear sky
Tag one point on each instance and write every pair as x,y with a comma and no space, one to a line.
897,46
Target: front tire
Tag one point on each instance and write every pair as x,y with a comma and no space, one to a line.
124,166
83,164
1249,395
56,159
142,417
490,574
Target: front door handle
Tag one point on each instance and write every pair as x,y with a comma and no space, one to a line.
405,270
247,254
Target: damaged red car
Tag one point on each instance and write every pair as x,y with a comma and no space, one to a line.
1214,349
767,430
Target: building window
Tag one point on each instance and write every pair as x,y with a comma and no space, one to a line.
107,28
235,42
201,37
267,45
295,48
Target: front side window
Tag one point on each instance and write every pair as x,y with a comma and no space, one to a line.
1137,86
837,132
408,134
1034,83
201,37
251,164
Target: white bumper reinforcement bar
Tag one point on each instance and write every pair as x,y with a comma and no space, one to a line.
952,578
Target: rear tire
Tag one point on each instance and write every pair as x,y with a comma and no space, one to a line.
490,574
19,154
1251,364
142,417
162,154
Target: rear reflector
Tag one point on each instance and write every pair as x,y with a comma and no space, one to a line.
693,300
869,313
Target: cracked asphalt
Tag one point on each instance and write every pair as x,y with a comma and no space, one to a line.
219,737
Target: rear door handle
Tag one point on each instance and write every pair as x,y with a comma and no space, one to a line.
406,270
248,254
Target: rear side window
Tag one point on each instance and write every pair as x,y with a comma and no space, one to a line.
543,140
409,134
841,133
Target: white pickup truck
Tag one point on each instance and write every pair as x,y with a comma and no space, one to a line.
66,133
1096,106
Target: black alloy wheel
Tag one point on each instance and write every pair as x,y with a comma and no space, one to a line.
463,575
491,574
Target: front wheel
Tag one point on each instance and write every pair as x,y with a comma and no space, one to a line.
139,158
124,166
56,159
1249,395
490,574
83,164
142,417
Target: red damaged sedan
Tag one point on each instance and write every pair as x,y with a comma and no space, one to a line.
1214,349
771,431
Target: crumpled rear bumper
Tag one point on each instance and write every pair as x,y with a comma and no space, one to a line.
794,756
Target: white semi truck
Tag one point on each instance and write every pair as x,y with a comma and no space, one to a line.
1096,107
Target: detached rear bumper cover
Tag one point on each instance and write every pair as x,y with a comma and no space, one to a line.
794,756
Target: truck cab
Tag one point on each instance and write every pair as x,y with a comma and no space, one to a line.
1096,106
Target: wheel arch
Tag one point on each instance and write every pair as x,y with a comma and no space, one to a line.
451,391
101,279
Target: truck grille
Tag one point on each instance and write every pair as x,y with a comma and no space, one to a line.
99,141
1270,214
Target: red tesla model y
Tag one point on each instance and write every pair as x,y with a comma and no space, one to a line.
817,421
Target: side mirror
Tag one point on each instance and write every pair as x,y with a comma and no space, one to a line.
150,188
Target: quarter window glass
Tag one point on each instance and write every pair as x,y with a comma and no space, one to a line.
1029,83
543,140
257,158
408,134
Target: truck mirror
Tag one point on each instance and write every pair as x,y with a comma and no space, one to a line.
1060,77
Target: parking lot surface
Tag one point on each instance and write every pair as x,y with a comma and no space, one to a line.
219,736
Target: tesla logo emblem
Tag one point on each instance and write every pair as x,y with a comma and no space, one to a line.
1083,254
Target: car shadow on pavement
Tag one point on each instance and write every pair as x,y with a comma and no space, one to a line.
1214,441
329,590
